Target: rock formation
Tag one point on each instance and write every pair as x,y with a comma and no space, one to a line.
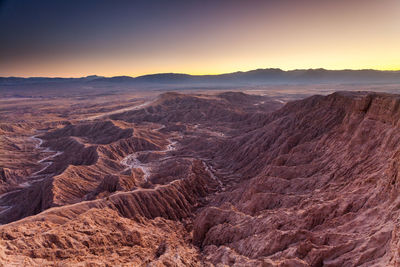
208,180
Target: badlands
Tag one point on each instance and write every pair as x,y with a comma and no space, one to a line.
200,179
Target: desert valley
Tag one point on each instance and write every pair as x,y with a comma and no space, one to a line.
209,178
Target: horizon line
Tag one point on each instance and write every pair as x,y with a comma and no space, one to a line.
205,74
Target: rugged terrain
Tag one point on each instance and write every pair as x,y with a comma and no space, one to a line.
201,180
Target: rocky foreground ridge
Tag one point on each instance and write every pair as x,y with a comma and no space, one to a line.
209,180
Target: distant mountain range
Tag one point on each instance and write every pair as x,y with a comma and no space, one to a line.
259,76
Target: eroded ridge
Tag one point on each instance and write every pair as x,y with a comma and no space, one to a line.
211,180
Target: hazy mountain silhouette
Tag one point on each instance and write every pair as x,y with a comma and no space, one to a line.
258,76
267,76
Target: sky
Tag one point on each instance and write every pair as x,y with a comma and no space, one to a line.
75,38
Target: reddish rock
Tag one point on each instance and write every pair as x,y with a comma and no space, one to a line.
227,179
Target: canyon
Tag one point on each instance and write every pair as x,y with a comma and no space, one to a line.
200,179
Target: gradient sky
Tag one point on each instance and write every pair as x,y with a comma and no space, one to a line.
77,38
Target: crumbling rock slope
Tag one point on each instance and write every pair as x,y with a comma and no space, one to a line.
316,185
210,180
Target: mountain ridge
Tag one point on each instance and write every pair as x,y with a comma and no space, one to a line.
268,75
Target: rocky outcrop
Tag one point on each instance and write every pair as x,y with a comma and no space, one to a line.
97,237
176,107
318,187
137,226
94,133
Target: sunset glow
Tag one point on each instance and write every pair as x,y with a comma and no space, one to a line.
55,38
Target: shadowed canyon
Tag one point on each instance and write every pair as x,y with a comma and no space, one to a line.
200,179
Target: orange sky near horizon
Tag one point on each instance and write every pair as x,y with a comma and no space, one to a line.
194,39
